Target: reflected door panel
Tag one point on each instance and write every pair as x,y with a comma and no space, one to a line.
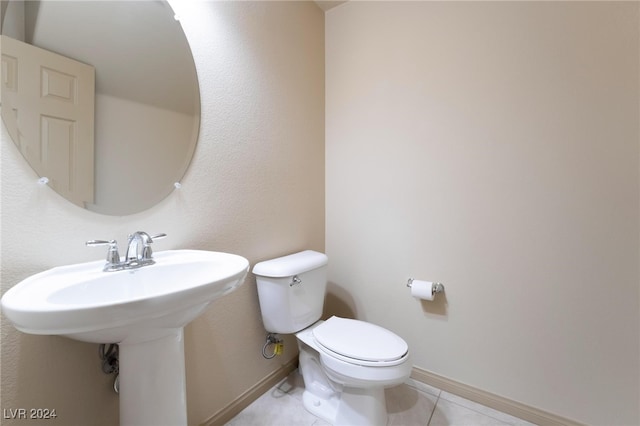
48,108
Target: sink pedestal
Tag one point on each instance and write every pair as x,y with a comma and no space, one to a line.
152,381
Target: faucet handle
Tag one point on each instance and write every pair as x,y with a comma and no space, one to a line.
113,257
147,252
111,243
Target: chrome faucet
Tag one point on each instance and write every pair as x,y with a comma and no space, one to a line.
139,252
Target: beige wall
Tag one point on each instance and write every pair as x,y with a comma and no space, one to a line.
255,188
493,147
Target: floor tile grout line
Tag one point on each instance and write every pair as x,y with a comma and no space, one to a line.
434,408
476,411
423,391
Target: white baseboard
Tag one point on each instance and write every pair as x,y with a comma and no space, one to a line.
514,408
250,395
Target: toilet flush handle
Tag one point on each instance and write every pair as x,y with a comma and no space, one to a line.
295,281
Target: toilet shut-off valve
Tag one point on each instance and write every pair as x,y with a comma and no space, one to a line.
276,342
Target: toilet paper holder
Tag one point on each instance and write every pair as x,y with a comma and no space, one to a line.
435,287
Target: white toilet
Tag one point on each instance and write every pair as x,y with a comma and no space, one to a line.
345,363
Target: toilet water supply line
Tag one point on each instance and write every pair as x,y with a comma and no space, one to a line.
278,346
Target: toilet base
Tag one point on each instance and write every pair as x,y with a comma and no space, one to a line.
325,409
354,407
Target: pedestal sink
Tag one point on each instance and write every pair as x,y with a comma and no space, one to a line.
143,310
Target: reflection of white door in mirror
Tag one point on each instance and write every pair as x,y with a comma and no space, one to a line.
48,109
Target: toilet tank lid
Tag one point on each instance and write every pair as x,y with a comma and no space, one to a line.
291,265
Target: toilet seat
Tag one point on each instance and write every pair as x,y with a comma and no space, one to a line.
360,342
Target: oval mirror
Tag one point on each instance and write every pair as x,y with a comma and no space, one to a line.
101,98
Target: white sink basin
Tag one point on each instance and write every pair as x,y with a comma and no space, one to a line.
84,303
143,310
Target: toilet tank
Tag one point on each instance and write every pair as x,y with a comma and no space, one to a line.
291,290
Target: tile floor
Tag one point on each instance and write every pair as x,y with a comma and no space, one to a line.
410,404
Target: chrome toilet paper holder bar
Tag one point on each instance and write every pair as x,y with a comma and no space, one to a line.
435,287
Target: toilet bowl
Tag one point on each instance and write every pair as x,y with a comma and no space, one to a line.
346,364
344,381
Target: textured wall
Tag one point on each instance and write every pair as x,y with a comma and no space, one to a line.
255,188
493,146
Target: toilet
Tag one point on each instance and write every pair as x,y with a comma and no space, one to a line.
346,364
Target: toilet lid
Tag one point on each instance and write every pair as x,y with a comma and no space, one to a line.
360,340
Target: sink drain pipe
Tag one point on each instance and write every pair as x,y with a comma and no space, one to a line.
110,362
